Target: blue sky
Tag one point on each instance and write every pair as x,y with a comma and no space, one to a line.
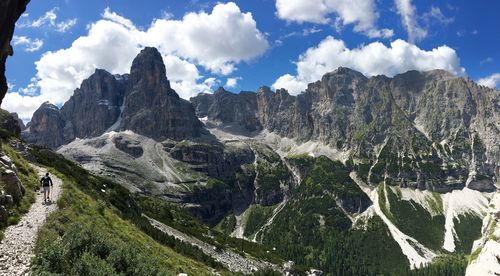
243,45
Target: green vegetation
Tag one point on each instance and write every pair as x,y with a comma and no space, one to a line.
227,225
257,217
314,231
272,173
29,179
423,226
468,229
449,265
106,228
129,207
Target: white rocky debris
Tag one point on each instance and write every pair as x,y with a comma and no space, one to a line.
417,254
231,260
460,202
486,250
16,248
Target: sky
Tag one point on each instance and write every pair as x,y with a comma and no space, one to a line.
242,45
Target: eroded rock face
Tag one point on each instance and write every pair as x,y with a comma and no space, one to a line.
229,109
10,122
19,121
95,106
142,102
10,11
129,146
426,130
46,127
11,188
152,108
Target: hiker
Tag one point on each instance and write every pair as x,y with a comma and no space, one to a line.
46,184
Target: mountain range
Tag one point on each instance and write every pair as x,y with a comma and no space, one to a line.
403,167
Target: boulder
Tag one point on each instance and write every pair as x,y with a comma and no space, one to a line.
12,185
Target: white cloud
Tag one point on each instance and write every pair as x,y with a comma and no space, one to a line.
49,19
361,13
409,19
216,41
492,81
31,45
232,82
372,59
436,14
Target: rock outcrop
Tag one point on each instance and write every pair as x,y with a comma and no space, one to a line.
152,108
11,188
46,127
95,106
229,110
10,122
10,11
19,121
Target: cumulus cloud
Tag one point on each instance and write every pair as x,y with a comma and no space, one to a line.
49,19
232,82
30,45
217,41
409,19
361,13
372,59
492,81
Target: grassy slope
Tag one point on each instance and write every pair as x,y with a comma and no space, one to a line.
29,178
86,237
127,207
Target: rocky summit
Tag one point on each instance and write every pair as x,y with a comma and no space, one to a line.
141,101
152,108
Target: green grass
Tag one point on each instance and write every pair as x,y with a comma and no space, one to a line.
84,232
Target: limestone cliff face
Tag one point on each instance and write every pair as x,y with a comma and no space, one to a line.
95,106
152,108
142,102
10,11
229,109
46,127
429,130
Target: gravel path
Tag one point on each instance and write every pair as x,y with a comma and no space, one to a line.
16,248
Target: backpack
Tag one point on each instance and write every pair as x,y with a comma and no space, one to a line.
46,181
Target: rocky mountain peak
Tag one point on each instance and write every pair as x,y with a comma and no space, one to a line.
221,90
151,107
148,66
142,102
46,126
100,95
264,91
